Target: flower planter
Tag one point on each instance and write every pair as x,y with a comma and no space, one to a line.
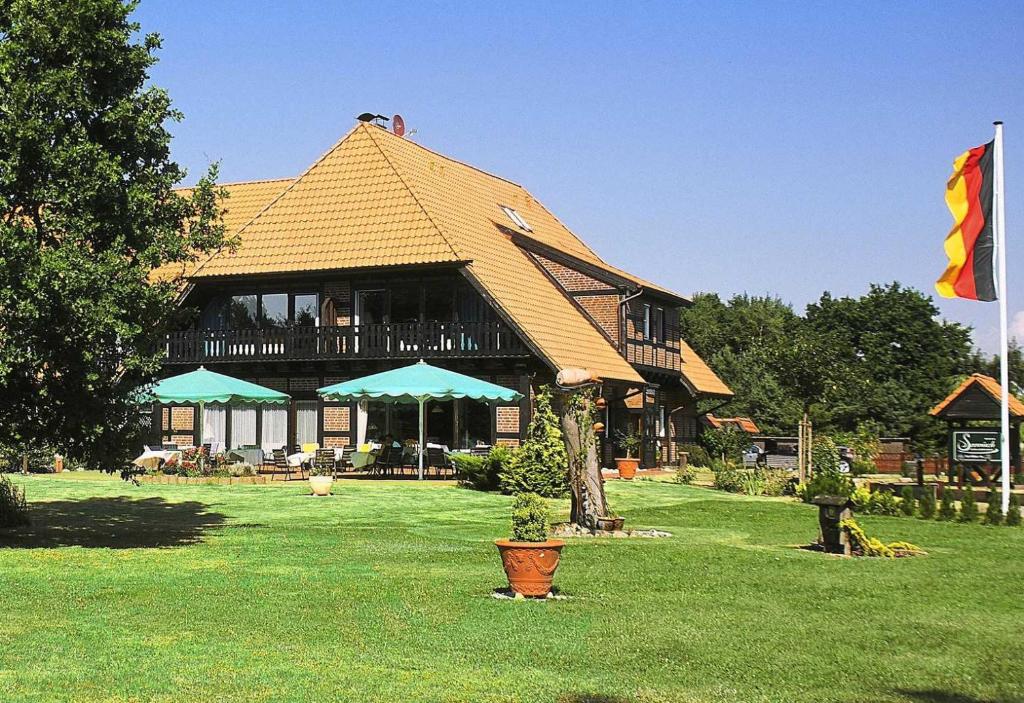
610,524
627,467
321,485
530,566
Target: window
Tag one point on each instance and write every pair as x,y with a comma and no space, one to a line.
305,422
275,429
306,309
274,310
405,304
370,307
647,321
214,423
242,314
243,427
516,218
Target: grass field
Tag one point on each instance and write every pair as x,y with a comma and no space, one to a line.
383,592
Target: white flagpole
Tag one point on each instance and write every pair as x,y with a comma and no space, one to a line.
1004,363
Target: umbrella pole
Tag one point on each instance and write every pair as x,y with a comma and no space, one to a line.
423,446
199,444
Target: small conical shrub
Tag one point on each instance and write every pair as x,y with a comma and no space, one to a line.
994,509
908,504
1013,514
968,506
947,508
926,508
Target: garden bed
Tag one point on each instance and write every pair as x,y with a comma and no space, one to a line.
163,479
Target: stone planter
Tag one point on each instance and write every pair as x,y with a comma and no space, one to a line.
321,485
831,511
530,566
610,524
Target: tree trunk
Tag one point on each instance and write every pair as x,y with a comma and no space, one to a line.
585,483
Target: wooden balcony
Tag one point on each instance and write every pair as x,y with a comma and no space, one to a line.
429,340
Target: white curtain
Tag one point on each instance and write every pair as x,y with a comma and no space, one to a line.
215,423
305,422
275,429
243,427
361,414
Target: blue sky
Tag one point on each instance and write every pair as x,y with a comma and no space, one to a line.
762,147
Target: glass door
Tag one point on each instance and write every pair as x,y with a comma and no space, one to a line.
370,317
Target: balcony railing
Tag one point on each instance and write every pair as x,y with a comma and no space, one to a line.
409,340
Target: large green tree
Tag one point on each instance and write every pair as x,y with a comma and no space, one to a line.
87,211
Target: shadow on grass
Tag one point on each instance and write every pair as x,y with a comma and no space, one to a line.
112,523
937,696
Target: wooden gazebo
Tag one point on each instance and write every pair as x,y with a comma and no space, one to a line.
972,414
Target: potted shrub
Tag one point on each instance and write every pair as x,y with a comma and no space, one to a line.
529,557
629,442
320,480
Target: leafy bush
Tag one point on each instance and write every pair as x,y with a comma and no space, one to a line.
241,470
862,467
684,475
1018,479
926,507
728,442
908,504
541,465
13,507
40,458
1013,514
728,476
529,518
947,508
994,509
696,455
968,506
777,482
472,471
753,485
884,503
861,499
825,455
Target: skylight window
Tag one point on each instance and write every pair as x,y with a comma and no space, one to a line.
516,218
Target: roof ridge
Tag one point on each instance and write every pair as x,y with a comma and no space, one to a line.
280,195
453,160
412,192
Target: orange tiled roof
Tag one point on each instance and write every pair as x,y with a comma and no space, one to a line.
243,202
377,200
743,423
699,376
989,385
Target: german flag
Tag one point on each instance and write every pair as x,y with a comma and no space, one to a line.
970,245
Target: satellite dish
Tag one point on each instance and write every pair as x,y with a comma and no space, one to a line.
398,126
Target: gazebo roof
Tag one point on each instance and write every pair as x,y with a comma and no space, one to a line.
977,398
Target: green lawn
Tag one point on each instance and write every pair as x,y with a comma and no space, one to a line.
383,592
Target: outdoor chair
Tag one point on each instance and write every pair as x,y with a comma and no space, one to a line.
346,457
324,459
437,460
394,460
281,464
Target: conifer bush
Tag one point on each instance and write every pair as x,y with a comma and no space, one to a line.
908,504
968,506
1013,514
947,508
13,507
994,509
541,465
926,506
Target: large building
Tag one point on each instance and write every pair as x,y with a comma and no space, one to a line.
384,252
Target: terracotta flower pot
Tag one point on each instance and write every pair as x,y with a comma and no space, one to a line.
530,566
321,485
627,467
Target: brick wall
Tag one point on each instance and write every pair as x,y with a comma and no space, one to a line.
303,384
604,309
181,419
502,442
507,419
570,279
335,442
278,384
336,418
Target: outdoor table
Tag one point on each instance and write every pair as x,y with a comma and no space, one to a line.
253,457
300,458
152,458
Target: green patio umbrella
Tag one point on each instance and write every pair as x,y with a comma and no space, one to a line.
418,383
201,386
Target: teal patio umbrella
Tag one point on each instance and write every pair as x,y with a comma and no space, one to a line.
202,386
418,383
